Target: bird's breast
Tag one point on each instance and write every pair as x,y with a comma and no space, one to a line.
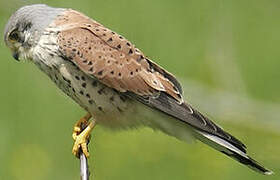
110,107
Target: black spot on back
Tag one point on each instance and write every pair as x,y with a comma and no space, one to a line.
100,73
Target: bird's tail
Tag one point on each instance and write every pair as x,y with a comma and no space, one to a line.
231,151
191,123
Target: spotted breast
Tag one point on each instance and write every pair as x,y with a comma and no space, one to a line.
106,104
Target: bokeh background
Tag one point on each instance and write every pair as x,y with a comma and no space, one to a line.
226,53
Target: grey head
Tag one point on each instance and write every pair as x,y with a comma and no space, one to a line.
25,27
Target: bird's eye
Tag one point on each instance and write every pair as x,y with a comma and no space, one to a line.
14,36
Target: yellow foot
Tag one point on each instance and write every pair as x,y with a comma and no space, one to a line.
81,135
80,125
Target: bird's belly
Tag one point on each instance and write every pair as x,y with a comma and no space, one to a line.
109,107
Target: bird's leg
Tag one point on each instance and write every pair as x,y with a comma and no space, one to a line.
81,133
80,125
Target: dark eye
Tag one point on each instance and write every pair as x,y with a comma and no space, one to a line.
14,36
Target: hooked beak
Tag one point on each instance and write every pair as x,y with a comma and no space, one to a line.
16,56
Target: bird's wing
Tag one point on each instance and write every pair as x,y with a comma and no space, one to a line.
115,61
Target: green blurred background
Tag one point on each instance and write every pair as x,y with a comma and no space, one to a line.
226,53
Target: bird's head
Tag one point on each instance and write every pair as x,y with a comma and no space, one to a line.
25,26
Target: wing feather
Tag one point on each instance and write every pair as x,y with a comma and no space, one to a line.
112,59
187,114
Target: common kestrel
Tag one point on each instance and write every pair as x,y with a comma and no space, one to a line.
111,79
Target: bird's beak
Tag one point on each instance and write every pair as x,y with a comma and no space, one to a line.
16,56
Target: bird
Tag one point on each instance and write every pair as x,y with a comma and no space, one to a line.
111,79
